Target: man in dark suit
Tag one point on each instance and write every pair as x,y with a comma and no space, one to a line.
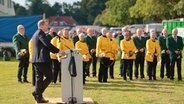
20,42
41,60
140,43
165,60
175,46
91,41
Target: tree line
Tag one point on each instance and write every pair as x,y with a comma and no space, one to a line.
107,12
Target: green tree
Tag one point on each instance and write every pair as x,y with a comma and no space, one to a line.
116,13
20,10
39,7
91,8
154,10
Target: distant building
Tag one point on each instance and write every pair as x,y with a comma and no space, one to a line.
6,8
60,22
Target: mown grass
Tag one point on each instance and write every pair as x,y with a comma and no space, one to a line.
116,91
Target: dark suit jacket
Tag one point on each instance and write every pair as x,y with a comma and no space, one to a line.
91,42
42,48
20,42
163,46
172,45
139,44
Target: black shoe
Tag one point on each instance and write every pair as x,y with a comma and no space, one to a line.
105,81
42,101
112,77
150,78
124,78
26,81
34,95
142,77
171,78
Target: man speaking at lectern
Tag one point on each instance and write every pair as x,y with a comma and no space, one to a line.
41,60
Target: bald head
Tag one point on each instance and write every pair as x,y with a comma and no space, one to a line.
139,32
90,31
175,32
153,33
103,31
165,32
78,31
21,29
81,36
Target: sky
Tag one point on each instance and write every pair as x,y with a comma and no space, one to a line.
22,2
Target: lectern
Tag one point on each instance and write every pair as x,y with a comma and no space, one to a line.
72,87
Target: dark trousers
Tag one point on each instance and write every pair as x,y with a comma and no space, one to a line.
128,64
121,67
165,62
85,67
23,68
102,74
139,61
178,61
111,68
151,67
93,62
55,69
42,70
33,75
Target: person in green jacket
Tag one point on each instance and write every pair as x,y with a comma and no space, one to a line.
140,43
165,60
20,42
175,46
91,40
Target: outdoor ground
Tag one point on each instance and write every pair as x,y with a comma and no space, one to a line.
116,91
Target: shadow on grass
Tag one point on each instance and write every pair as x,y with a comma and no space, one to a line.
128,88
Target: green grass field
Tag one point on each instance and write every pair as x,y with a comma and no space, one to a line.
116,91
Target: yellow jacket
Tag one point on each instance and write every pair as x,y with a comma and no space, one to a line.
83,50
54,43
126,47
150,50
103,47
114,49
30,46
64,44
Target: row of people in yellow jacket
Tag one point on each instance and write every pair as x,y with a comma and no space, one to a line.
64,42
129,50
106,50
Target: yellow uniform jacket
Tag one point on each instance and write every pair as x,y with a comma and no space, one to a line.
114,49
30,46
54,42
127,46
151,48
83,50
103,47
65,44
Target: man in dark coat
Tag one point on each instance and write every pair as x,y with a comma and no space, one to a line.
175,46
165,60
140,43
91,41
20,42
41,60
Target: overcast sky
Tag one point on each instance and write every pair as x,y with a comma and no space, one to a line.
22,2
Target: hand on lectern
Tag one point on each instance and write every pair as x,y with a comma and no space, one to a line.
62,54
